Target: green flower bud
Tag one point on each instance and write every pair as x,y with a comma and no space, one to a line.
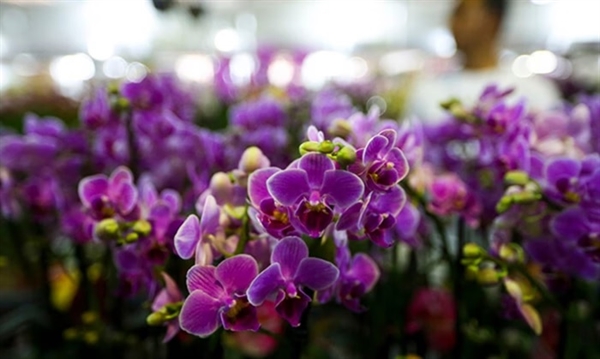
526,197
512,252
487,276
131,237
504,204
326,147
156,318
107,229
142,227
520,178
309,146
472,250
346,156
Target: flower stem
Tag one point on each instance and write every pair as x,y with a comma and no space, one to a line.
458,288
244,234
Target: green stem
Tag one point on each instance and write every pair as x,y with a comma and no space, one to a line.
244,234
458,288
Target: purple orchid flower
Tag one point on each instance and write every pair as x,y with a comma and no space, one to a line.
160,210
168,295
218,297
374,217
449,194
104,197
291,269
273,217
314,190
382,164
566,178
191,237
358,276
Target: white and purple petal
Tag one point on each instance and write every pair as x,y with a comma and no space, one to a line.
257,184
187,237
92,187
203,279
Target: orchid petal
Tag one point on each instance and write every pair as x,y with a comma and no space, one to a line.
187,237
315,165
210,216
203,279
365,270
92,187
342,187
265,285
288,186
373,148
236,273
200,314
257,184
289,253
316,273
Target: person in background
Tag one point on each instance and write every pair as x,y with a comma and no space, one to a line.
476,26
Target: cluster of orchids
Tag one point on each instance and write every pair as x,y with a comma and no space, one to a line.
256,223
296,199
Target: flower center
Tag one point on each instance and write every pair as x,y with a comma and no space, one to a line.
236,307
281,216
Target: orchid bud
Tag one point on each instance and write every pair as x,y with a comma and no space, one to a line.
107,229
221,187
520,178
346,156
142,227
472,251
487,276
309,146
131,238
526,197
512,252
156,318
252,160
504,204
326,147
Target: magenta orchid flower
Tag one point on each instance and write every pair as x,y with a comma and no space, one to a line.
218,297
381,164
273,217
291,269
106,196
313,188
358,276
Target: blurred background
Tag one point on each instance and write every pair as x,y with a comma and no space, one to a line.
62,45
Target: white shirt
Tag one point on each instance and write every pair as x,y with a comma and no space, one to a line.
467,85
